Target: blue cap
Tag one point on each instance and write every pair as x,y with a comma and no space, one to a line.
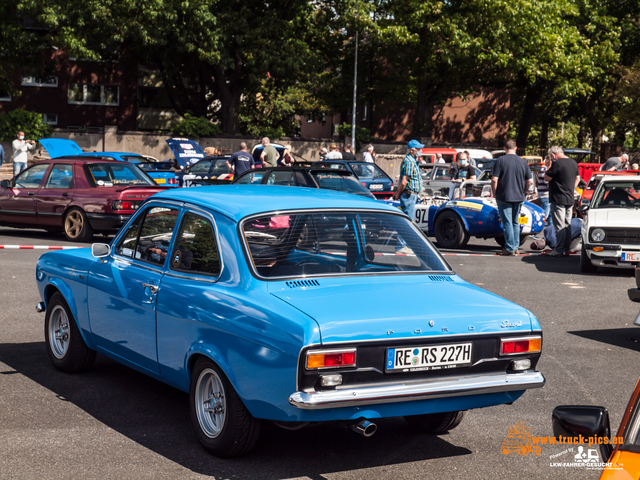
414,144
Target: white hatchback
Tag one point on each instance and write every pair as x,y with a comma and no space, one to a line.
611,228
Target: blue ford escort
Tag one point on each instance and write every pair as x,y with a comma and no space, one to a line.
256,300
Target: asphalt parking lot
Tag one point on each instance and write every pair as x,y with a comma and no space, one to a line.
113,423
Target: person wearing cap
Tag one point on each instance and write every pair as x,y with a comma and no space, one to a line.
409,186
511,178
615,163
334,153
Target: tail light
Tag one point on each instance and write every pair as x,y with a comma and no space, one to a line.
516,346
172,181
331,359
363,184
125,205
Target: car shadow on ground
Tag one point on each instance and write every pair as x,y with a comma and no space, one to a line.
157,417
43,237
569,264
618,337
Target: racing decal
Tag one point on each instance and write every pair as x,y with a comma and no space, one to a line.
469,205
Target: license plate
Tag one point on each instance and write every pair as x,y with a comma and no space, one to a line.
160,180
375,186
630,257
522,219
433,357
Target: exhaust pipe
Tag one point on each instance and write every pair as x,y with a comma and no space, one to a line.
365,428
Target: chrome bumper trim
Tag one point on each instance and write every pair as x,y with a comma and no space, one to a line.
407,392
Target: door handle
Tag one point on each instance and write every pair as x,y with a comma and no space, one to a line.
31,193
153,288
65,194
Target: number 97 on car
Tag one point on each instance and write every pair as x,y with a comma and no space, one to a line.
413,359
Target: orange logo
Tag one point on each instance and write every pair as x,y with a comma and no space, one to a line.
518,440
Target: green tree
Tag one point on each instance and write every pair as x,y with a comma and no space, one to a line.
30,123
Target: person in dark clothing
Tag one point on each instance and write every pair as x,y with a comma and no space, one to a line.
563,177
464,170
241,161
348,153
510,180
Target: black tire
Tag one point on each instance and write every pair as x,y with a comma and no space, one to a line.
449,230
65,346
76,226
435,422
229,430
500,240
585,264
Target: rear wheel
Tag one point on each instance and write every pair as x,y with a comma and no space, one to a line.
585,263
76,226
435,422
222,423
65,346
449,231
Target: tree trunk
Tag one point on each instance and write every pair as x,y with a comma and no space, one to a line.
423,123
531,99
544,135
230,95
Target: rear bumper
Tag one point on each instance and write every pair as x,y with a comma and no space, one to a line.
407,392
107,223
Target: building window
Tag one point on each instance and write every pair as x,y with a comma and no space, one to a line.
364,112
4,96
39,81
50,118
93,94
310,118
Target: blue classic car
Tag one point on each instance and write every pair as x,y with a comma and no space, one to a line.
245,296
469,210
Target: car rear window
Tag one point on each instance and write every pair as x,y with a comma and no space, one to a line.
334,243
110,174
340,182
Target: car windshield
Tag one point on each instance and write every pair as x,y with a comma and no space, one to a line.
368,171
617,195
342,183
110,174
220,167
322,243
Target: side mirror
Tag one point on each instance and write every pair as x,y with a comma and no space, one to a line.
5,184
585,421
584,206
100,250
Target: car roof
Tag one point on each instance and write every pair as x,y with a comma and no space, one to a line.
81,159
619,178
239,201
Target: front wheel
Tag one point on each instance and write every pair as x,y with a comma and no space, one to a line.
435,422
222,423
585,263
65,346
449,231
76,226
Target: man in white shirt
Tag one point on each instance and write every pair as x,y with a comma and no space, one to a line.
439,158
368,155
334,153
20,155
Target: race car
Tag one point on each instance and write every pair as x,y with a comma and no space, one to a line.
469,210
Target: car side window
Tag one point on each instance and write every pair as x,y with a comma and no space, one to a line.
196,249
201,168
61,176
281,178
250,178
127,245
442,173
155,235
32,177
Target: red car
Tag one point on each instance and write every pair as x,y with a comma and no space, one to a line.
78,196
